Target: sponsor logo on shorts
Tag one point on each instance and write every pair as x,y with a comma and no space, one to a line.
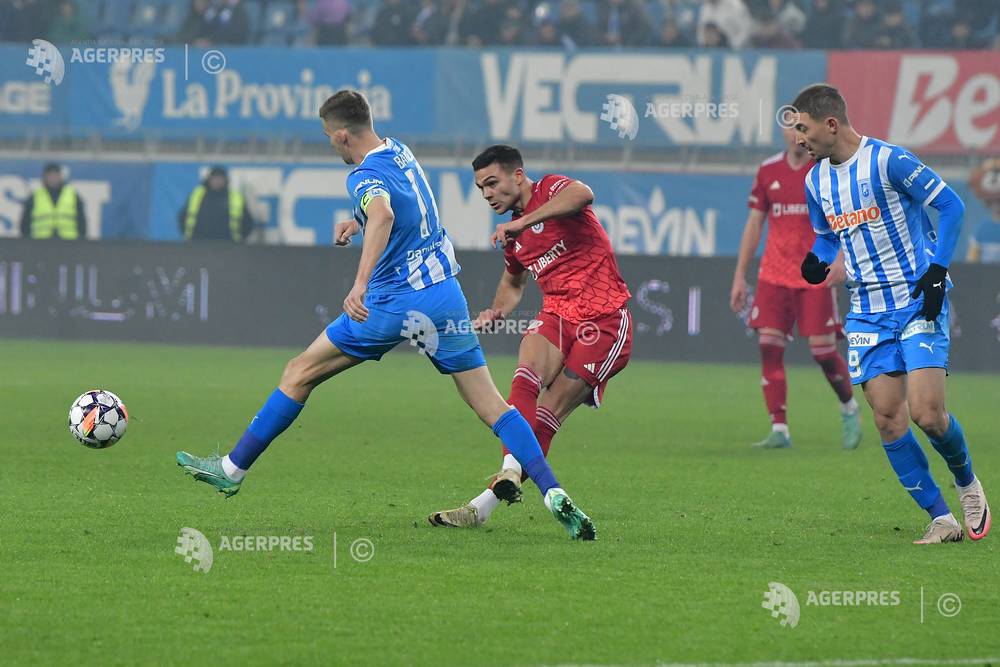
862,339
917,327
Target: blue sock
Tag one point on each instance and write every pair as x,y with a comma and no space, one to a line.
277,414
952,449
908,460
515,433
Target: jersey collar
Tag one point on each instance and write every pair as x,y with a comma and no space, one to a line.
846,164
384,146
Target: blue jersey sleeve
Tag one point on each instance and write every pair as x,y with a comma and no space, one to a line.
827,245
909,176
365,185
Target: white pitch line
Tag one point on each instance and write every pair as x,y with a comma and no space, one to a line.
875,662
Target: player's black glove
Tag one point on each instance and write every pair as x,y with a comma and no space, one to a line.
931,284
813,270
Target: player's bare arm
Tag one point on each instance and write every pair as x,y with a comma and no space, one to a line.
510,289
343,231
571,199
377,229
748,246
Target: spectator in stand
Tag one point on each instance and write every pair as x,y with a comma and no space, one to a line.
23,20
227,23
730,17
576,30
480,26
863,28
934,15
770,34
713,37
790,16
895,32
67,26
548,33
328,19
671,36
194,29
623,23
392,24
822,26
513,29
960,36
430,27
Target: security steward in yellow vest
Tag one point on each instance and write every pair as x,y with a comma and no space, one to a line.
214,211
54,210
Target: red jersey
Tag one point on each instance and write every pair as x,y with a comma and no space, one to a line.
780,192
571,259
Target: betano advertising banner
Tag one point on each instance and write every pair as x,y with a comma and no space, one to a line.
929,102
679,98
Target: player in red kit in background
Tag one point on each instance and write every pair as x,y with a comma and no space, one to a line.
583,335
783,298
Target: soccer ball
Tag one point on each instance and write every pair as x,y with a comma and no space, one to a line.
98,419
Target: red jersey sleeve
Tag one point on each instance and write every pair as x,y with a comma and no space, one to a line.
552,184
758,195
514,267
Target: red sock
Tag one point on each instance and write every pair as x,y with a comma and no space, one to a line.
546,425
524,390
772,353
835,369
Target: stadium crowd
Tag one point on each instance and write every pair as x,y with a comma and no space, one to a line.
778,24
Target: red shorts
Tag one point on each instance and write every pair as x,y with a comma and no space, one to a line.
594,349
777,307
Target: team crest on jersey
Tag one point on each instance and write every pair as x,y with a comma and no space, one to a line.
865,188
538,228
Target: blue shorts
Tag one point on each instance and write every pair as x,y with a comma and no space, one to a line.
901,340
435,320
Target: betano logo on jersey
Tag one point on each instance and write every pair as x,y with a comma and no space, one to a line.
854,218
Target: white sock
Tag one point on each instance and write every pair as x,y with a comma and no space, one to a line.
233,471
548,495
510,463
849,408
781,428
485,503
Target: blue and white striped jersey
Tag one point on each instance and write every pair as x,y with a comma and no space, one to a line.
875,203
419,252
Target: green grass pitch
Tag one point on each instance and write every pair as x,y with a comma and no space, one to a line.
692,524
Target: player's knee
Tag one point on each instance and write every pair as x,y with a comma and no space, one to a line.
295,373
891,425
931,419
